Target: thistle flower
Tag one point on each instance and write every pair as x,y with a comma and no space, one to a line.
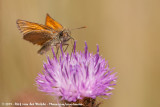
76,77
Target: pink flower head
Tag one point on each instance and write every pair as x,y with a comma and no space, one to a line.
76,76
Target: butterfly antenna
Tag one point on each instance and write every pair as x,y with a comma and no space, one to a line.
79,28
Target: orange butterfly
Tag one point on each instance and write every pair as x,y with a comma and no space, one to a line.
48,35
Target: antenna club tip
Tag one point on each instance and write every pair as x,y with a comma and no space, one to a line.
84,27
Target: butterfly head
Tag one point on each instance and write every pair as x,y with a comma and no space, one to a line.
65,35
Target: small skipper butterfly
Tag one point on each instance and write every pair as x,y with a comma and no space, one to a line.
48,35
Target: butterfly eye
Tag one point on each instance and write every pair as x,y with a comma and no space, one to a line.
61,34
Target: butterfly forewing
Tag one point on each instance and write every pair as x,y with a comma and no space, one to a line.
53,24
35,33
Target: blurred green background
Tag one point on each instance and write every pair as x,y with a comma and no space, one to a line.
127,31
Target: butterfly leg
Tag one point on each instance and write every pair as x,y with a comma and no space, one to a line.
66,47
72,44
57,47
72,48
